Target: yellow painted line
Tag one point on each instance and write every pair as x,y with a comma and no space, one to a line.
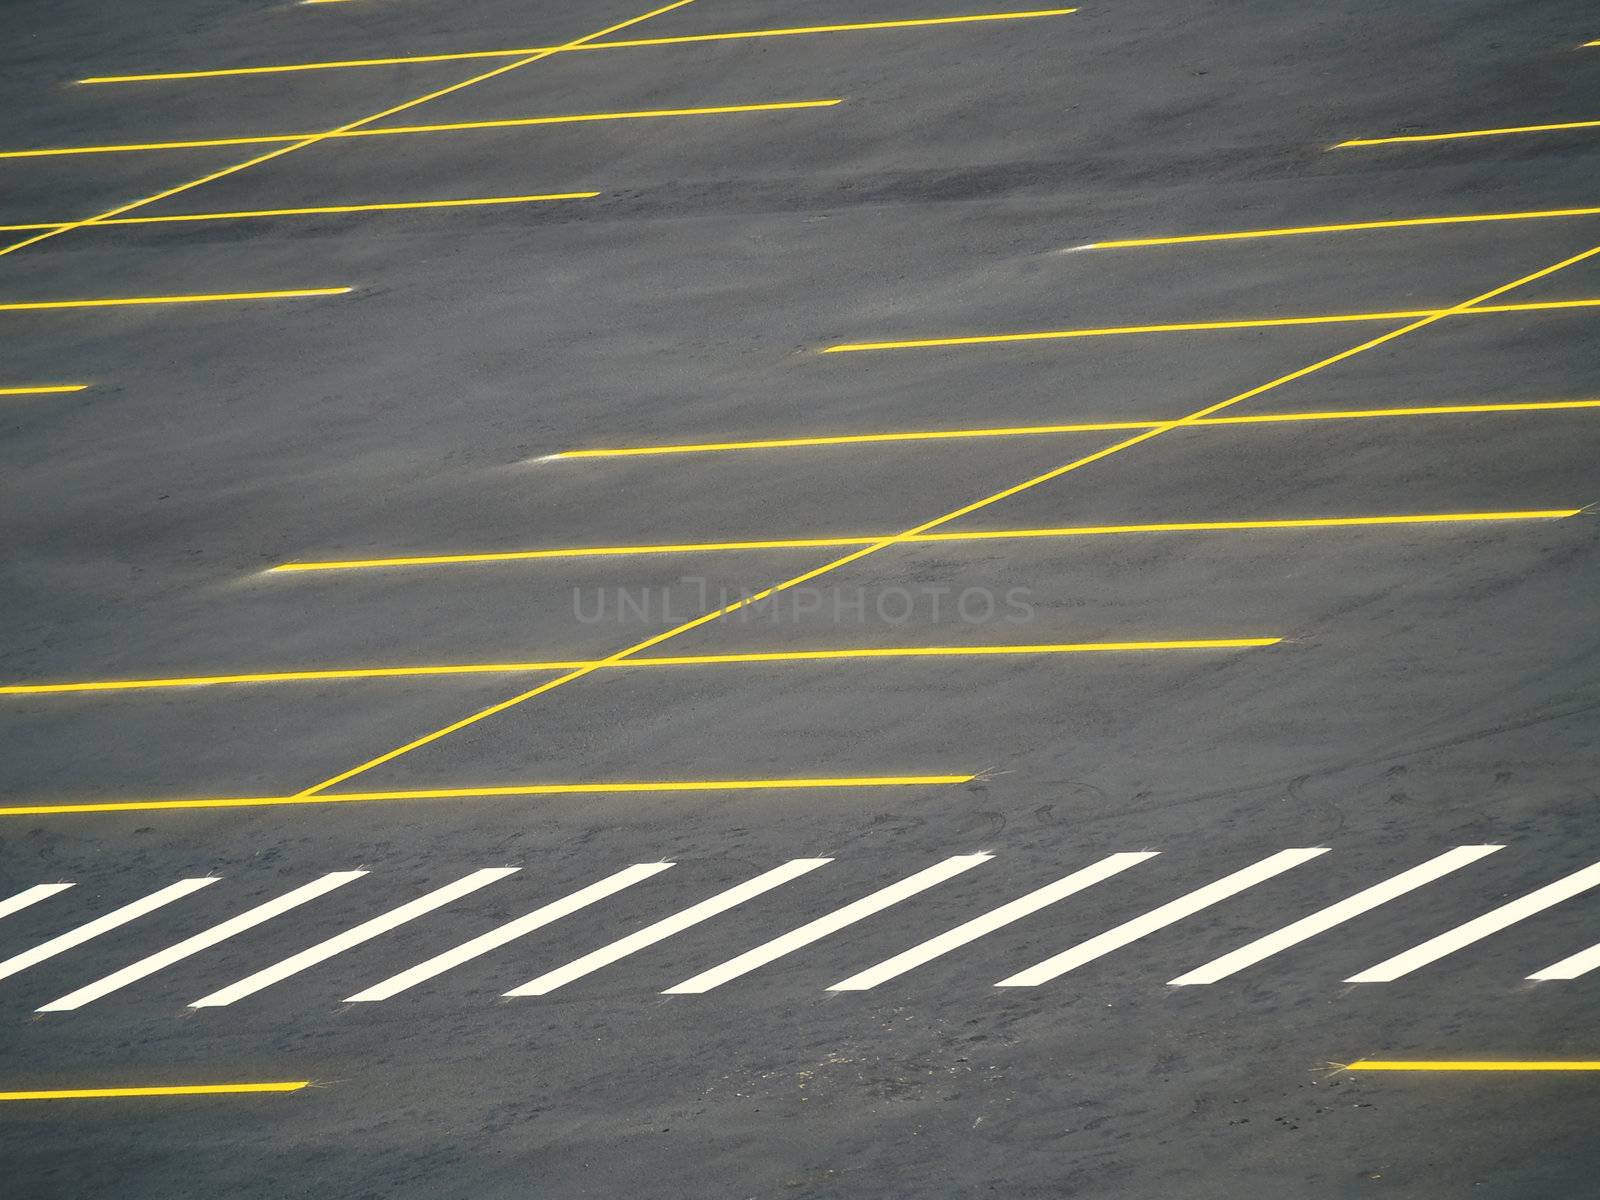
390,206
43,389
885,539
1373,1064
196,298
633,43
448,127
521,789
932,435
193,1089
681,660
1047,335
1348,227
1467,133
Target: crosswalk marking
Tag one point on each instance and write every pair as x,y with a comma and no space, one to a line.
353,937
1334,914
665,928
120,916
510,931
38,892
831,923
990,921
201,941
1493,921
1160,918
1572,966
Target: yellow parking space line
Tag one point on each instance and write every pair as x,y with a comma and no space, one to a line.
679,660
43,389
1370,1064
447,127
319,209
886,539
628,44
195,298
1048,335
1467,133
520,789
933,435
1348,227
190,1089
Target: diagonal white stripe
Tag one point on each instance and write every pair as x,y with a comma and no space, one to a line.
121,916
38,892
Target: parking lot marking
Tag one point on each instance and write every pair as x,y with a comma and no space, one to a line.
509,932
996,918
30,896
1159,918
352,938
822,927
1050,335
1325,919
520,789
201,941
397,130
43,389
676,660
628,44
314,210
1347,227
1573,966
93,929
1466,133
195,298
188,1089
1490,922
1375,1064
665,928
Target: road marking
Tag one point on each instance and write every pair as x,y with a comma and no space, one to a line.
1480,927
396,130
520,789
191,1089
1571,967
632,43
390,206
816,930
1374,1064
93,929
201,941
681,660
1467,133
47,389
1347,227
198,298
665,928
351,938
990,921
30,896
1335,914
509,932
1160,918
1050,335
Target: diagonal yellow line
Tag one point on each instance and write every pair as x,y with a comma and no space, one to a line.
192,298
1372,1064
1347,227
191,1089
318,209
1467,133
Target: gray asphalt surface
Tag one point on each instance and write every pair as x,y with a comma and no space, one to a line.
1436,685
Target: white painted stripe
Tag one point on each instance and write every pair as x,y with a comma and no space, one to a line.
1572,966
509,932
121,916
997,918
38,892
1160,918
200,941
1481,927
823,926
663,929
364,932
1335,914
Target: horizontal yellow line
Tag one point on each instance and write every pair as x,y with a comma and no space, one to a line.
392,206
449,127
1300,230
194,1089
852,439
1468,133
973,535
632,43
529,789
46,389
201,298
682,660
1452,1065
1202,326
